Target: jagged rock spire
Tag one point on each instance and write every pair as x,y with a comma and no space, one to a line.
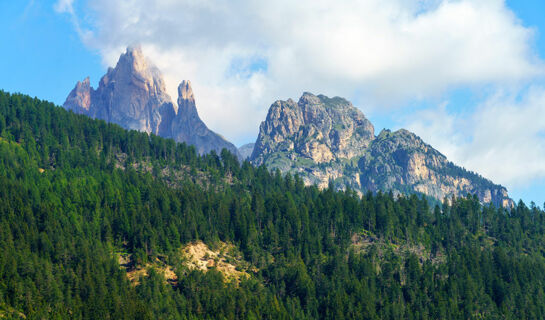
79,99
185,92
188,126
133,95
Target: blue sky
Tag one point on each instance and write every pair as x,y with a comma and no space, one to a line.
239,70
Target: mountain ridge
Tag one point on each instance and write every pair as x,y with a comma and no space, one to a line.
322,139
329,140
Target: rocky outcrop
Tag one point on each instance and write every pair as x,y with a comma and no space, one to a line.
133,95
327,140
79,99
316,128
188,127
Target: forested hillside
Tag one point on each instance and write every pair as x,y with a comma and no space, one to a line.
75,192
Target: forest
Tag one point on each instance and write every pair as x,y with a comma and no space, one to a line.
74,192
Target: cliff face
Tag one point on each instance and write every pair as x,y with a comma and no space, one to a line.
79,99
133,95
316,128
328,140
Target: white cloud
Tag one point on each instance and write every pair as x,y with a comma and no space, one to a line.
387,51
504,139
67,6
64,6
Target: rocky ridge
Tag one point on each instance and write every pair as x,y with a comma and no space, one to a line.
328,140
133,95
317,128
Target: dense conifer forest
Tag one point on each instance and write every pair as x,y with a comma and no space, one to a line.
75,191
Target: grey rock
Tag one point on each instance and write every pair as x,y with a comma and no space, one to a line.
401,161
132,95
318,128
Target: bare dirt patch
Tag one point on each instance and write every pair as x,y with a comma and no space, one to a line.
225,259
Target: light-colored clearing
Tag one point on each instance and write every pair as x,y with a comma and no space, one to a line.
225,259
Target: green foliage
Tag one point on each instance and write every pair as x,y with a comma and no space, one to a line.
60,227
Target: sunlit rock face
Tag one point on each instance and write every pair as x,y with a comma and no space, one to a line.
79,99
133,95
401,161
329,141
317,127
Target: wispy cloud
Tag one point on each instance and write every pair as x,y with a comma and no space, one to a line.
67,7
502,139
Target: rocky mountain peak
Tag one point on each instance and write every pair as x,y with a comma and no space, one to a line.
134,62
186,101
329,140
403,162
85,83
184,91
318,128
133,95
134,69
79,99
188,126
309,98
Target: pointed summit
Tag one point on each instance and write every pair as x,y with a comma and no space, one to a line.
188,126
186,100
79,99
184,91
133,95
134,61
134,50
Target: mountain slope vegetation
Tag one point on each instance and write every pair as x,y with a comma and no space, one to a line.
69,205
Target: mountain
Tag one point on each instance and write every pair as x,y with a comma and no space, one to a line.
246,150
329,140
188,127
133,95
